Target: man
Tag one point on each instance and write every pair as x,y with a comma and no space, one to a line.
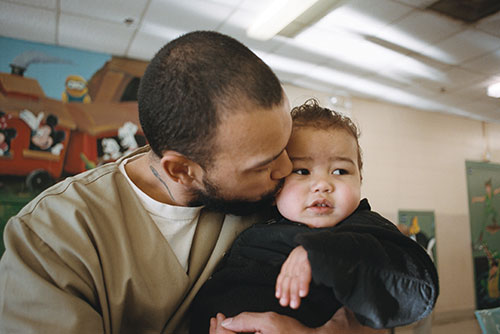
125,247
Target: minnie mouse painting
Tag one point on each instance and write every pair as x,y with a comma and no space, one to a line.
6,135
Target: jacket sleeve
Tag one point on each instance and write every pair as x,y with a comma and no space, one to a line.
384,277
34,276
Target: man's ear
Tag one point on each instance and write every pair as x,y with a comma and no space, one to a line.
179,168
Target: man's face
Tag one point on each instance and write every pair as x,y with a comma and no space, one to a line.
325,185
250,161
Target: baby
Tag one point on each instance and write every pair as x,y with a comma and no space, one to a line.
326,249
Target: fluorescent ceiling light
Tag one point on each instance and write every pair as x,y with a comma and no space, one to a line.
494,90
281,13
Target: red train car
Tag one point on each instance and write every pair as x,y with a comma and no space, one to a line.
28,118
105,131
44,139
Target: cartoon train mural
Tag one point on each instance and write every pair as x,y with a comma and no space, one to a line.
44,140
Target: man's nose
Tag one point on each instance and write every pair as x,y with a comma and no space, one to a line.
282,167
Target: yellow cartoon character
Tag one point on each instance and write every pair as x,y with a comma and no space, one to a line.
76,90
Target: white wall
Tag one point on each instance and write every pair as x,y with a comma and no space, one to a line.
415,160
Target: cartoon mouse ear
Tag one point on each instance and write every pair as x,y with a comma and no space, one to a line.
51,120
2,114
58,136
10,133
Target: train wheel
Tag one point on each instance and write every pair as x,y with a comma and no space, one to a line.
39,180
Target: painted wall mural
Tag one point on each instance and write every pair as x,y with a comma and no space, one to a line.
420,226
62,111
483,183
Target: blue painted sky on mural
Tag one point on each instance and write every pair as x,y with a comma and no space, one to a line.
51,76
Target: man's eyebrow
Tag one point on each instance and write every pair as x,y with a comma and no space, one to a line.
267,161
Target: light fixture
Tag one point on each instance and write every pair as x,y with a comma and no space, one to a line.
494,90
289,17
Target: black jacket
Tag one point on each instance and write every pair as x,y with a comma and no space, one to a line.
364,263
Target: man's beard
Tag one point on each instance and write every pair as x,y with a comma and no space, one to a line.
210,197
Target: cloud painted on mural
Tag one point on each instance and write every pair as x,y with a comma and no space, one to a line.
49,64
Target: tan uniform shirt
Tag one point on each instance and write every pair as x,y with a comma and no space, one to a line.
85,257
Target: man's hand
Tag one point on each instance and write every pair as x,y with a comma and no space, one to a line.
263,323
216,327
294,278
342,322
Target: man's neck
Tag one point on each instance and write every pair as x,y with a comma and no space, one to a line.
146,173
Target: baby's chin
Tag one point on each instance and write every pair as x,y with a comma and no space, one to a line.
318,222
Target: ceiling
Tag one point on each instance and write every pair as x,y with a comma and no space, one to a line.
391,50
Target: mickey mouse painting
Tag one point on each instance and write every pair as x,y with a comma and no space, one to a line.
6,135
44,137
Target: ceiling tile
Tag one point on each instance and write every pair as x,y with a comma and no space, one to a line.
364,16
389,81
417,3
485,108
453,79
344,47
232,3
256,6
488,64
456,99
290,66
145,45
432,63
109,10
419,29
187,15
86,33
457,78
29,23
50,4
478,90
467,45
490,24
303,54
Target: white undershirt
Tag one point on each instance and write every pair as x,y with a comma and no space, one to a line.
176,223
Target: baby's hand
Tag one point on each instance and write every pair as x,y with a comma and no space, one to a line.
294,278
216,327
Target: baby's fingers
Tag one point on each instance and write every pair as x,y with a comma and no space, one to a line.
284,296
294,293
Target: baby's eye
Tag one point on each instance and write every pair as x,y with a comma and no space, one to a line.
340,171
301,171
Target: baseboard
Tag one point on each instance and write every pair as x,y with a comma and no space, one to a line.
452,316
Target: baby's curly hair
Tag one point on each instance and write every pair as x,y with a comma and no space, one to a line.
311,114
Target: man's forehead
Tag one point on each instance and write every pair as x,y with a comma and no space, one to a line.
258,135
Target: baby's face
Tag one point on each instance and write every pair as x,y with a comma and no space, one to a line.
325,185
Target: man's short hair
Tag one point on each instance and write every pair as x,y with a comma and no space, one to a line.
311,114
194,80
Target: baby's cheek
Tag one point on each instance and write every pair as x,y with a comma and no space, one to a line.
351,197
286,206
